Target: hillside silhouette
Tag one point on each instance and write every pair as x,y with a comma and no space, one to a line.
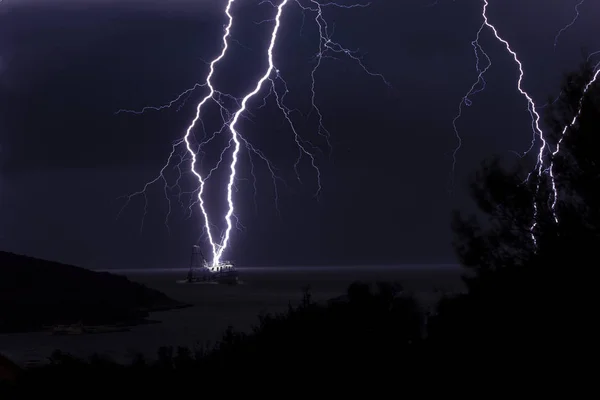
36,293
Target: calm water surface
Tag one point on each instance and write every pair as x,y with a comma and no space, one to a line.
268,289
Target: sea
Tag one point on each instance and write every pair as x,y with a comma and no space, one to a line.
216,307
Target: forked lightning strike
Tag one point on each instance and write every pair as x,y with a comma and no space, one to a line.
278,87
479,85
186,138
232,126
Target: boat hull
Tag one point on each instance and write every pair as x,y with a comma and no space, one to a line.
228,276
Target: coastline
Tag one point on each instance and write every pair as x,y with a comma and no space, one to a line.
117,325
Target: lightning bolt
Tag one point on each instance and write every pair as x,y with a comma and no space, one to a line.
479,85
570,24
531,107
595,78
235,136
535,117
271,78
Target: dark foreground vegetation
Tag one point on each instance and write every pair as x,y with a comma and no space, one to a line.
524,318
35,294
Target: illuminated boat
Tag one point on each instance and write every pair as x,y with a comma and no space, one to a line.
201,271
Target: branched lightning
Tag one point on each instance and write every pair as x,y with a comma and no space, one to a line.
478,86
278,88
570,24
164,106
544,149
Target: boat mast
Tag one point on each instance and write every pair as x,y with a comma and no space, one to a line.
196,252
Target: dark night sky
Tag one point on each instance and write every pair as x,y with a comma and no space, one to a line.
67,66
